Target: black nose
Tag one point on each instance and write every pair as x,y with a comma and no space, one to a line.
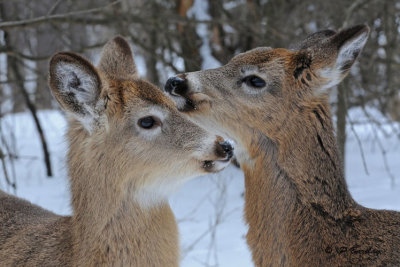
175,86
227,148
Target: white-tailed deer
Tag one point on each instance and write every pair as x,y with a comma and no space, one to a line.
129,148
273,103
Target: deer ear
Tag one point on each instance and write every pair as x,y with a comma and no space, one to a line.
117,60
338,54
76,85
350,43
312,40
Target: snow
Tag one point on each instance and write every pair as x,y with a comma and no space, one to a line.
202,243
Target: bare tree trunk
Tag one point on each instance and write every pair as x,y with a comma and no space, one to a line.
151,58
190,41
7,11
43,97
219,48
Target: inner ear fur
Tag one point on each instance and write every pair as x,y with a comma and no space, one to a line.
74,82
117,61
349,44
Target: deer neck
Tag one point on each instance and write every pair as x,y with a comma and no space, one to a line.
294,185
109,226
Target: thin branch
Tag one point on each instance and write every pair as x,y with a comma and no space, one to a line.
3,156
384,157
54,7
48,18
23,56
47,57
6,176
382,149
72,17
145,47
15,81
350,10
359,145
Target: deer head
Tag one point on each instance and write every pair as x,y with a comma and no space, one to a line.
127,128
265,91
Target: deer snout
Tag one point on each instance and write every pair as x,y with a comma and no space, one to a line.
176,86
224,150
186,99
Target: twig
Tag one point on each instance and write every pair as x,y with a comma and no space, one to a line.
72,17
385,162
23,56
383,150
194,243
190,214
2,158
53,8
219,204
47,18
47,57
145,47
15,81
350,10
7,178
359,145
9,150
219,208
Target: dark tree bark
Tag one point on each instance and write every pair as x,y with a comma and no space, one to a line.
189,40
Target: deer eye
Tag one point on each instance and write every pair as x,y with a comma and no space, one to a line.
149,122
254,81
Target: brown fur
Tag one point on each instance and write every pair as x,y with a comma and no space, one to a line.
120,173
298,207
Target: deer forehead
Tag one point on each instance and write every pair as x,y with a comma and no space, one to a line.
126,94
261,56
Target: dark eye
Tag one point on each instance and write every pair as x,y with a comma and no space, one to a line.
254,81
148,122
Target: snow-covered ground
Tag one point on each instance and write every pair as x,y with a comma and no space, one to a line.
209,209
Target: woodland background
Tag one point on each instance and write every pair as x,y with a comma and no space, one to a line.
173,36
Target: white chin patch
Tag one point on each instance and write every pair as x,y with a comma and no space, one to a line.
220,165
179,101
158,192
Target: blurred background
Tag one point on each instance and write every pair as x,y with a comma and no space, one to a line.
172,36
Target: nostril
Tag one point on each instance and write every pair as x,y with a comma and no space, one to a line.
176,81
173,84
227,148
